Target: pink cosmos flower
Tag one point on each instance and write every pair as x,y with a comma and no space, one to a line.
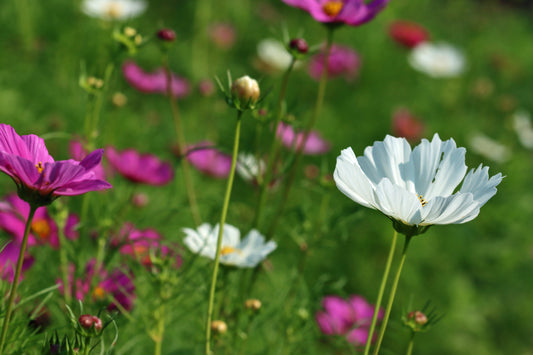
77,152
350,318
39,178
342,61
154,82
223,35
408,34
350,12
404,124
314,145
140,168
209,160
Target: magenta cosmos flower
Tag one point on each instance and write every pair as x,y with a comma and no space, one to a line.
342,62
349,12
209,160
406,125
39,178
349,318
154,82
140,168
77,152
408,34
291,139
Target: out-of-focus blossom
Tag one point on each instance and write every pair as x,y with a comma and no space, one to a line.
113,9
523,128
349,12
272,56
249,167
39,178
482,88
408,34
489,148
349,318
291,139
342,62
405,125
247,252
223,35
140,168
119,99
140,199
209,160
439,60
77,152
206,87
154,82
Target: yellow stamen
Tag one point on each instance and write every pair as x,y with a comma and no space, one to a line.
39,167
228,250
332,8
41,227
98,293
422,201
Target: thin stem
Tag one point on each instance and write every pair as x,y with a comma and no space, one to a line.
411,344
18,270
98,103
220,233
181,145
391,296
308,128
381,291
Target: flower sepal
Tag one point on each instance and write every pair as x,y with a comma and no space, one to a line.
408,230
34,197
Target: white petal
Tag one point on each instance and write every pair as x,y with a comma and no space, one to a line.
351,180
478,183
458,208
422,166
398,203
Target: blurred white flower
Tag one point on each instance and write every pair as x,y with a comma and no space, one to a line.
241,253
439,60
272,55
249,168
113,9
415,188
523,128
489,148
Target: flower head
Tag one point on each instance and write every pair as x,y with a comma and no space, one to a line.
77,152
223,35
113,9
247,252
489,148
349,12
437,60
291,139
250,168
405,125
272,55
140,168
209,160
154,82
416,188
39,178
408,34
342,62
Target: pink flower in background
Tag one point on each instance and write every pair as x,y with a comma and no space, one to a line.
223,35
342,62
408,34
404,124
77,152
154,82
350,318
349,12
140,168
39,178
209,160
315,144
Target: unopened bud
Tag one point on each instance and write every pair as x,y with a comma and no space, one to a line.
246,90
119,99
253,304
130,31
138,40
299,45
95,82
419,317
219,326
166,34
87,321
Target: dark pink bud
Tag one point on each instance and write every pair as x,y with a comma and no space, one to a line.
299,45
87,321
166,34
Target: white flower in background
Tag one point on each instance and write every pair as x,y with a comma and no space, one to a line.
415,188
523,128
247,252
273,55
249,168
489,148
113,9
439,60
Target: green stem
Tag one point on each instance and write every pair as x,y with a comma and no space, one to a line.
308,128
18,270
220,233
181,145
391,296
158,339
381,291
98,103
411,344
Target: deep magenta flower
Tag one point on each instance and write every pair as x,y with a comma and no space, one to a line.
9,257
291,139
342,62
405,124
77,152
39,178
350,318
408,34
154,82
349,12
140,168
209,160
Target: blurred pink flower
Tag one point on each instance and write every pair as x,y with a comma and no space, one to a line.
342,61
206,87
404,124
350,318
209,160
154,82
140,168
408,34
77,152
315,144
350,12
223,35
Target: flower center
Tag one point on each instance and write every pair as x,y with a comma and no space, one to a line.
41,227
332,8
98,293
39,167
422,201
113,10
228,250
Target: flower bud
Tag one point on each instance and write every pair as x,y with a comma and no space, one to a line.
219,326
119,99
130,31
87,321
166,34
418,317
246,90
252,304
299,45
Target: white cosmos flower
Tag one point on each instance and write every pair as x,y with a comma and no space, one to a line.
523,128
248,167
415,188
273,55
247,252
113,9
489,148
437,60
